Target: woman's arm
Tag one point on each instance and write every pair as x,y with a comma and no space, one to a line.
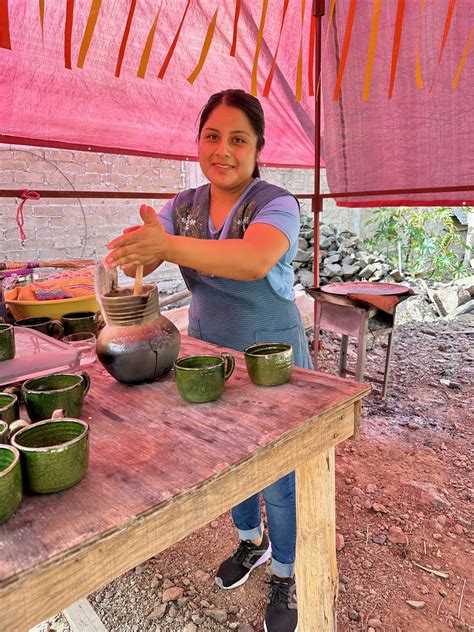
244,259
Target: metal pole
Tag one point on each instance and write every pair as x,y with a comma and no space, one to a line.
317,203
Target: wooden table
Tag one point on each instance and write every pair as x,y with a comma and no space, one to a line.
161,468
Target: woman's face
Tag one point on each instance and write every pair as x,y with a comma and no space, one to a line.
228,149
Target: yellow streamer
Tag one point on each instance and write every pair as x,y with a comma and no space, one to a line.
41,12
419,76
372,46
463,59
89,32
253,85
299,69
205,49
147,50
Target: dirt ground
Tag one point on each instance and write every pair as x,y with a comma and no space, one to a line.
404,513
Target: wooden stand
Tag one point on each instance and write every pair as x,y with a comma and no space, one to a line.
161,468
344,316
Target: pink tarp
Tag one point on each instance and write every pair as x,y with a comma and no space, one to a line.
409,123
133,75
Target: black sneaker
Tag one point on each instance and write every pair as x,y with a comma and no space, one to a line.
282,613
235,570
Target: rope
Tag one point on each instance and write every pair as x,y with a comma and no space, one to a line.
20,220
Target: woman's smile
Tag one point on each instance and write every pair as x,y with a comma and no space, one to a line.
228,149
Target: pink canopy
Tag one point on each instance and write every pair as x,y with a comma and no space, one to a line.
398,81
132,75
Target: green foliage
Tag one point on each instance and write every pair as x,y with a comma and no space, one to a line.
426,238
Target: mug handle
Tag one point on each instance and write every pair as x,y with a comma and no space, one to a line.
56,329
229,364
99,321
87,381
16,425
14,390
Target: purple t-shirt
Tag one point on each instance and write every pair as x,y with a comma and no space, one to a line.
281,212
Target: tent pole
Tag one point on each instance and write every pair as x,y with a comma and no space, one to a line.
316,202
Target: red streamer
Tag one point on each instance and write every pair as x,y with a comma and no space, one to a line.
236,26
126,33
20,220
68,33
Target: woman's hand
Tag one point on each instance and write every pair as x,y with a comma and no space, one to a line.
144,244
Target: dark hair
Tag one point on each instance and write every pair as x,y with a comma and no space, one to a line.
249,105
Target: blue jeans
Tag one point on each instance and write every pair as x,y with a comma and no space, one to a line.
281,516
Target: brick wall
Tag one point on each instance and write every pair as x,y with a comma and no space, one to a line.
73,228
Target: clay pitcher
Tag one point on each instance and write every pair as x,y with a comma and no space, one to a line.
137,344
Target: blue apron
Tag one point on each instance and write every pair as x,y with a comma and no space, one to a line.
233,313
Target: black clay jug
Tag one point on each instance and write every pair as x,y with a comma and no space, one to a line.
137,344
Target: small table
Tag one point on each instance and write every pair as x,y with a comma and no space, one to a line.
161,468
356,315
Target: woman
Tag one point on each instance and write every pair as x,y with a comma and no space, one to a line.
234,240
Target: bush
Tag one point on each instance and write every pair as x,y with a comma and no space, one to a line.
420,241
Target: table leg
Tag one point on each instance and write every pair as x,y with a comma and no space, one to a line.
317,325
388,357
316,566
343,356
361,348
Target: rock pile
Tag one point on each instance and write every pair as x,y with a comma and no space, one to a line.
343,257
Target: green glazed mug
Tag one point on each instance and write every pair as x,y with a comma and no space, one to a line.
7,342
269,363
65,391
54,454
201,378
7,430
43,324
9,407
11,488
79,322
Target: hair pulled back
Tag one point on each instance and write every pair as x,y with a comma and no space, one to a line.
245,102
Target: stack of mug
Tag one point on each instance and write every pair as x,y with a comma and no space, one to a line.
78,329
50,452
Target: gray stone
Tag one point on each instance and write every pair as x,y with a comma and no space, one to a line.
220,616
396,275
326,242
332,259
306,277
326,231
368,271
303,255
349,259
466,308
158,611
349,270
446,300
467,283
463,296
414,308
302,243
332,269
